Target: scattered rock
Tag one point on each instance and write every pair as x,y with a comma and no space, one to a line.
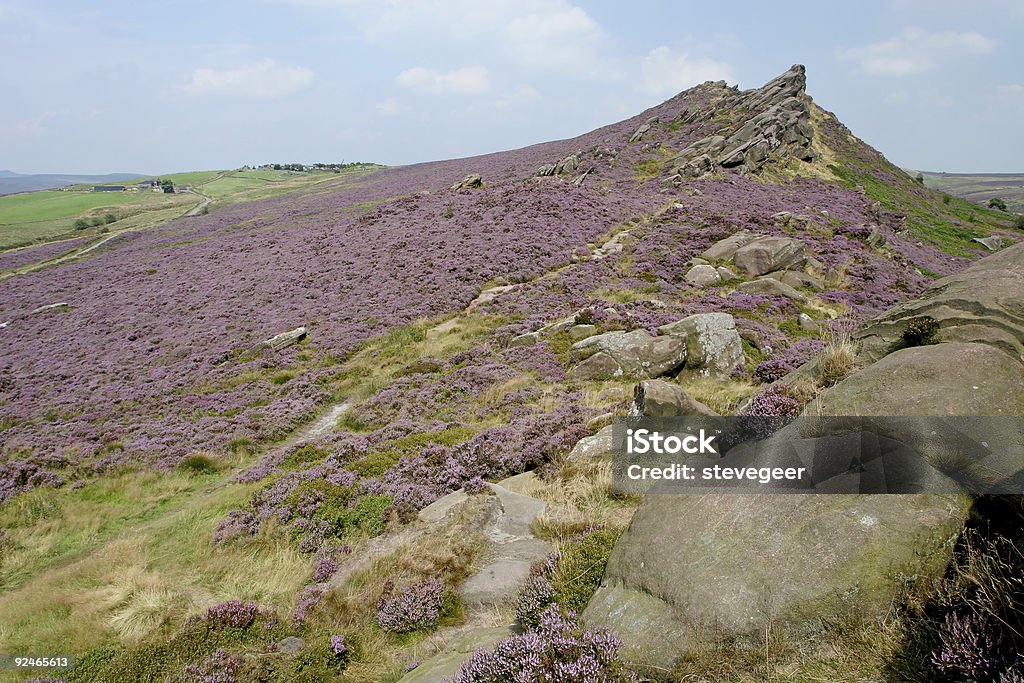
808,323
724,250
767,254
594,447
644,127
992,243
798,279
292,645
49,307
473,180
767,286
726,274
703,276
658,398
526,339
713,346
598,366
637,353
582,331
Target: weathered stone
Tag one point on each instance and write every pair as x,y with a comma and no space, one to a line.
637,352
876,240
767,254
983,303
279,341
939,379
767,286
724,250
598,366
582,331
471,181
713,346
703,276
292,645
594,447
797,279
638,134
741,563
658,398
807,323
526,339
992,243
726,274
445,664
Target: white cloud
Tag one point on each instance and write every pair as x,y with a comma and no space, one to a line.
464,81
558,37
1012,90
265,79
388,107
664,72
915,51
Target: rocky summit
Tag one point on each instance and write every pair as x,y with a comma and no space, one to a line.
366,430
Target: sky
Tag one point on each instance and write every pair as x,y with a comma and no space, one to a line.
152,87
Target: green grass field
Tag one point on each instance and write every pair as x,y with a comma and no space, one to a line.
45,215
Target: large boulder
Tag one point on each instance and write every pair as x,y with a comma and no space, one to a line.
984,304
637,353
724,250
767,254
939,379
713,346
733,565
598,366
658,398
771,287
703,276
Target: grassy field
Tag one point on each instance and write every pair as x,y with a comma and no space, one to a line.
980,187
45,215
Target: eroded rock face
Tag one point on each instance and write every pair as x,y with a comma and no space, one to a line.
778,124
984,304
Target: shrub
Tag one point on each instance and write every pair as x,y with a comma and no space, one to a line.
836,361
237,523
537,593
772,402
416,607
324,568
1018,222
81,224
919,332
772,370
199,463
558,650
476,485
997,203
310,598
109,218
581,568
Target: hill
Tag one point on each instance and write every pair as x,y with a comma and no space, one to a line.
221,435
980,187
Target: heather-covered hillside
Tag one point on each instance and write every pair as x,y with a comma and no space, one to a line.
143,418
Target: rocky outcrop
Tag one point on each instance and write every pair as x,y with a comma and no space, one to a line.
777,124
724,250
982,304
278,342
638,135
565,166
599,366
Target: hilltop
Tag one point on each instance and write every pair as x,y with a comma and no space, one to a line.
980,187
260,403
11,182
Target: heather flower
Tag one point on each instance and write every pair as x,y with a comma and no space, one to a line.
308,599
220,667
233,613
476,485
338,645
324,568
415,607
557,650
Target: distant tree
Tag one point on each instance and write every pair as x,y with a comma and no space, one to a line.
109,218
920,178
95,222
277,167
81,224
168,186
997,203
1019,221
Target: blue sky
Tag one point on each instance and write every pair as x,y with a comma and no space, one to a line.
155,86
